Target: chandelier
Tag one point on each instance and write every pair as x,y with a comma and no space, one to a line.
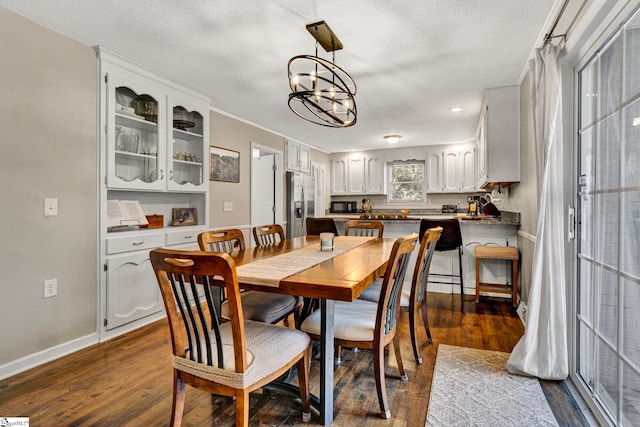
322,92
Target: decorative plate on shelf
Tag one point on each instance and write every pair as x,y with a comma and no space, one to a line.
183,124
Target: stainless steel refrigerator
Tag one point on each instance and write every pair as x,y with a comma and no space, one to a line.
300,202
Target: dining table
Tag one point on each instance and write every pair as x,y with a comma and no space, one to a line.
300,267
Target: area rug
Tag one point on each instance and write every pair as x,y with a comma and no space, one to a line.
473,388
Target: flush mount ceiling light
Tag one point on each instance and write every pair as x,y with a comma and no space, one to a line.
456,109
392,139
322,92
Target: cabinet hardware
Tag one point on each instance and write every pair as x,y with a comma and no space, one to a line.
161,174
105,323
190,236
171,175
138,243
106,267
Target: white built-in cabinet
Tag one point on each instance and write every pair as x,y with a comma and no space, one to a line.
298,157
154,148
498,137
357,174
451,169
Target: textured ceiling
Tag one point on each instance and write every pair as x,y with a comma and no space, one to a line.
411,59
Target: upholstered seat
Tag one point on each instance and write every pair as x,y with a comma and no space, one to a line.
265,306
268,348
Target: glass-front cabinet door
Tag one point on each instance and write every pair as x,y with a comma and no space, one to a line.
187,158
135,131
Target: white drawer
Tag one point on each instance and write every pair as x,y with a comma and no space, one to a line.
134,243
186,236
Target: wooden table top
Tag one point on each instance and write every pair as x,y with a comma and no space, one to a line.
341,278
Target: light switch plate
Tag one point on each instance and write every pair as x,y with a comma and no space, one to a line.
50,207
227,207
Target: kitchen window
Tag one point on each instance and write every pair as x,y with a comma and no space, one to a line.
406,181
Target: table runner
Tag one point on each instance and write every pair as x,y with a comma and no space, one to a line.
270,271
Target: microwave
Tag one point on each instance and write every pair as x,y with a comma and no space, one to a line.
344,207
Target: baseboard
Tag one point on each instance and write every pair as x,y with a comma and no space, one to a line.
36,359
522,312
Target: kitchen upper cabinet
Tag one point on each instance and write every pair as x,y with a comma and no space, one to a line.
339,175
434,171
298,157
374,182
357,174
468,168
451,169
499,137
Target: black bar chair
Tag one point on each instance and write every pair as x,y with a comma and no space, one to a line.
315,226
450,240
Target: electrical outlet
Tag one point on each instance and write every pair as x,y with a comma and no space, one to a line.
50,288
227,207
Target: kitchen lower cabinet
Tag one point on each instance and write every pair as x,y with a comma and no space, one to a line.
473,234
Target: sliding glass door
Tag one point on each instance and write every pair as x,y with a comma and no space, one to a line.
608,253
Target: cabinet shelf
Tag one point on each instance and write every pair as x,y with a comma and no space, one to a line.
186,162
135,122
138,155
189,136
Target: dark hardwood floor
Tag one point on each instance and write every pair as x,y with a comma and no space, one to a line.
127,381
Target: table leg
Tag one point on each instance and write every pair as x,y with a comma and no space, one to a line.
326,360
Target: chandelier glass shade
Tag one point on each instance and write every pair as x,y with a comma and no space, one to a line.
322,92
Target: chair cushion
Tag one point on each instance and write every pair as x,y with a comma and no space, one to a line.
272,348
354,321
264,306
372,293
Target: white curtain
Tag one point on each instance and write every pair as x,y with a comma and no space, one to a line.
542,351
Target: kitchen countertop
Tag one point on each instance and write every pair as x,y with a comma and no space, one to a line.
507,218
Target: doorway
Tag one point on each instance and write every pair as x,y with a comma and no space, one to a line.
266,186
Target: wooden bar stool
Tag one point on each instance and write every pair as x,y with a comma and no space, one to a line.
507,253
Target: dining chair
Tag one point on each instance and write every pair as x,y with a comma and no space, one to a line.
265,307
268,234
232,358
364,324
364,227
414,297
315,226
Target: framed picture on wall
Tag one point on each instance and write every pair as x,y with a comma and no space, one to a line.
224,165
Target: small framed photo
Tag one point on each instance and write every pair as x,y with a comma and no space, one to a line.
224,165
184,216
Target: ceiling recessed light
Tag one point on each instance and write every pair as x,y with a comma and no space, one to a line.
392,139
636,121
456,109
